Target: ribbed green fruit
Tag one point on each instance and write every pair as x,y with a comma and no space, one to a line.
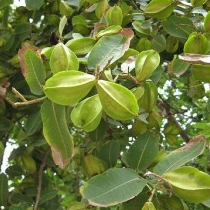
118,102
62,59
146,63
114,16
87,113
69,87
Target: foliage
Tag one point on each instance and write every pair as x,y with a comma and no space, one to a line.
105,104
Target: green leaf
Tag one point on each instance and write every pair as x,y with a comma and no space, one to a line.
160,9
81,46
69,87
190,184
201,72
63,59
3,189
159,43
179,67
56,133
23,31
32,69
109,152
118,102
107,49
34,123
116,185
47,195
181,156
87,113
62,24
34,4
4,3
142,152
180,27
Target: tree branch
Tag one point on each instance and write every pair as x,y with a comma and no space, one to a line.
165,108
39,189
24,102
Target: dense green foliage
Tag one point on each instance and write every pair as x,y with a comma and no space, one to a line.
105,103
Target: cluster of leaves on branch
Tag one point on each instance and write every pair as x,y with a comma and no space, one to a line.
105,104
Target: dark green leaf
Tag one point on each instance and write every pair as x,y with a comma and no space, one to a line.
3,189
23,31
116,185
142,152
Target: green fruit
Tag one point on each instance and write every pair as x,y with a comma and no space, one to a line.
148,206
172,44
154,120
198,3
196,43
101,7
143,45
69,87
29,163
189,184
65,9
93,165
114,16
149,99
118,102
207,22
87,113
146,63
62,59
138,127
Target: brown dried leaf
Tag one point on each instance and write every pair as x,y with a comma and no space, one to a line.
129,34
58,158
195,58
193,142
21,53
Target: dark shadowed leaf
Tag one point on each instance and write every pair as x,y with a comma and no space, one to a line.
142,152
23,31
3,189
116,185
34,4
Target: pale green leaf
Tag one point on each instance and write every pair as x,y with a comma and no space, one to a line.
62,24
56,133
181,156
115,186
142,152
33,69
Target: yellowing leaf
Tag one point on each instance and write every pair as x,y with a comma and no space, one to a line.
56,133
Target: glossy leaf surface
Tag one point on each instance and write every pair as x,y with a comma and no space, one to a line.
56,133
118,102
68,87
190,184
87,113
116,186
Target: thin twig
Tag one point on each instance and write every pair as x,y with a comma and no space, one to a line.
164,107
24,102
39,189
130,77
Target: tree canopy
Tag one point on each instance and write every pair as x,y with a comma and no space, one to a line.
105,104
